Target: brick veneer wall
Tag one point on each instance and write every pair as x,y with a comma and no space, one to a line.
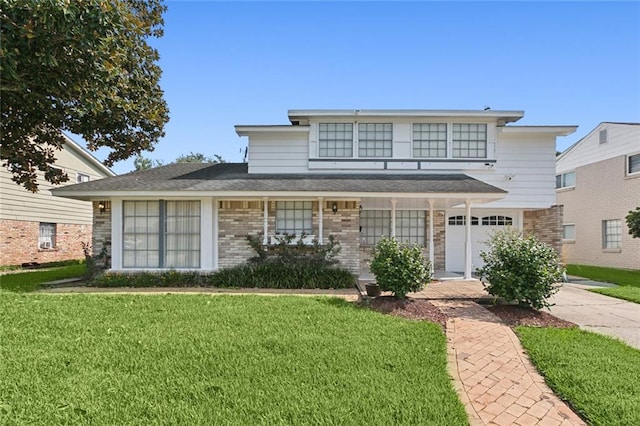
102,230
238,219
19,242
546,225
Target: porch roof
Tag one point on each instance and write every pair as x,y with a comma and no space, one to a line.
228,178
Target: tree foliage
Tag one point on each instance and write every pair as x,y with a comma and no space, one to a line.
82,66
633,222
144,163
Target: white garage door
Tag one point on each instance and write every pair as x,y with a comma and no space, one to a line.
482,227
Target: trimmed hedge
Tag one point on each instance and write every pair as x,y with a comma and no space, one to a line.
261,275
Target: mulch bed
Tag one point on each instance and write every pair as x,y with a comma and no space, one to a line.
516,315
421,309
415,309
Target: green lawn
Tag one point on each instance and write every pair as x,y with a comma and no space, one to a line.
632,294
610,275
198,359
596,374
30,281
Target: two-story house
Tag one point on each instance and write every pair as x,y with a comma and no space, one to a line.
441,179
598,183
42,228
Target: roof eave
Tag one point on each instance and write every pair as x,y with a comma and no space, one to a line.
247,130
550,130
503,116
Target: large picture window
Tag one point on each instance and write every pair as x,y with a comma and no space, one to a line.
335,140
430,140
161,234
410,226
375,139
374,225
469,140
294,217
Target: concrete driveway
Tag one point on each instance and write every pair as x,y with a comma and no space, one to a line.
599,313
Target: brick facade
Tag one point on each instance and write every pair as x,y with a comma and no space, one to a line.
238,219
19,242
102,229
546,225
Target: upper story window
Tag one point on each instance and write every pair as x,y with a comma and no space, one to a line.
430,140
469,140
335,140
375,139
566,180
633,164
81,177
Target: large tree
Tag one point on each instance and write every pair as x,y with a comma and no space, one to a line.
82,66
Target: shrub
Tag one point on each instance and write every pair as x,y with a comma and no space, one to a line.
291,249
520,269
399,268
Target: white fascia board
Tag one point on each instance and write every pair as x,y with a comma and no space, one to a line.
549,130
506,116
74,146
246,130
259,195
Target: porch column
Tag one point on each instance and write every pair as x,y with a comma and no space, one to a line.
467,241
320,219
265,224
431,254
393,217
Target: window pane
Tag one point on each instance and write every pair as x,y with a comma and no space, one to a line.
182,237
410,226
47,236
568,232
611,234
335,140
634,163
374,224
294,217
469,140
429,140
375,139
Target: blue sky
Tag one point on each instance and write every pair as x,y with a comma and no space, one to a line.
249,62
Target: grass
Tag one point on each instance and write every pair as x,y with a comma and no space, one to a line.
596,374
233,360
628,277
30,281
632,294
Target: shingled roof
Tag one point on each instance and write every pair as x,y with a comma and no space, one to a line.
234,177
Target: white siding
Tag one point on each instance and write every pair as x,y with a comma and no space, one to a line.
525,169
622,139
283,153
16,203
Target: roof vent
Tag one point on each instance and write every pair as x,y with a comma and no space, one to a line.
603,136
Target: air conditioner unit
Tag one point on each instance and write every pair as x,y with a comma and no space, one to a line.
45,245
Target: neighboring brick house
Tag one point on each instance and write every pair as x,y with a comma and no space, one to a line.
598,183
441,179
42,228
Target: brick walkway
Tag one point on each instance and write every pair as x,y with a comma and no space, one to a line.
492,374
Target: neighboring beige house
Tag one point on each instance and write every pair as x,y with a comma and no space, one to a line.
40,227
443,179
598,183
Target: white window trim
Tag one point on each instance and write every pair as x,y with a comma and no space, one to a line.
627,165
562,180
79,176
574,232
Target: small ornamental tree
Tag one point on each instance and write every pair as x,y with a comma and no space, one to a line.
633,222
520,269
399,268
